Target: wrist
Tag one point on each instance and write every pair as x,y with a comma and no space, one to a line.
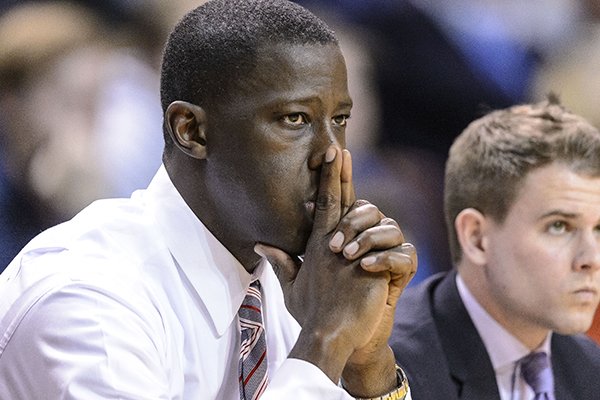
374,376
326,351
399,393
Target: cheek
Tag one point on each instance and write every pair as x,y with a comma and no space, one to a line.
512,262
539,266
281,187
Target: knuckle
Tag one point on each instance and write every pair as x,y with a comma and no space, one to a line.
365,242
346,226
408,248
361,202
371,209
393,234
401,258
389,221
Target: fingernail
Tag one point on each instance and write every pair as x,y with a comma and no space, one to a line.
351,249
330,155
368,261
337,240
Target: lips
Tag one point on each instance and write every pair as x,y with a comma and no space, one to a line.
310,206
587,294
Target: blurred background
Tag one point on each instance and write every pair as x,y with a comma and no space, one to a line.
80,115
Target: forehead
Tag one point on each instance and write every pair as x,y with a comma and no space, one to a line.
297,71
291,57
558,187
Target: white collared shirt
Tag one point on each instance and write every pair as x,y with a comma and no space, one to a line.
136,299
503,348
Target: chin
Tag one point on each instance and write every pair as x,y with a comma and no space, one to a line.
296,249
577,326
294,246
292,239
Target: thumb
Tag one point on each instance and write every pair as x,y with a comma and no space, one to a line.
284,266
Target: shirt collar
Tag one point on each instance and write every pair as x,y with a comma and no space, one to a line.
503,348
218,278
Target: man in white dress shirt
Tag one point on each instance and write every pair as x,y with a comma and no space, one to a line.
138,298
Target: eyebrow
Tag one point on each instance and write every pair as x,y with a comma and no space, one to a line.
310,99
347,104
559,213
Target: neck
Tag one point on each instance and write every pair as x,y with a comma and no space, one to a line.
529,333
190,184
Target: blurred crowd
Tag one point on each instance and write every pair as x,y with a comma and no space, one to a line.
80,114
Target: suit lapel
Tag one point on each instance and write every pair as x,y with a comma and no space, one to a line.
417,346
469,363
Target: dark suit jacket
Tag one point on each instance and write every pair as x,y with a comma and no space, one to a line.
438,346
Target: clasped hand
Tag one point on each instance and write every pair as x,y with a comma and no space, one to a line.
355,267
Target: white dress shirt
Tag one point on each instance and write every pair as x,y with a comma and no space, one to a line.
502,347
136,299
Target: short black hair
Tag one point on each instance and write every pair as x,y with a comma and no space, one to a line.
215,44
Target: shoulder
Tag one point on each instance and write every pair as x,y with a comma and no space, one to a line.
109,224
107,237
87,336
576,366
415,303
96,261
414,327
89,299
582,350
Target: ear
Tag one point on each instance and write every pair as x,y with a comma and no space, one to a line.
470,226
186,124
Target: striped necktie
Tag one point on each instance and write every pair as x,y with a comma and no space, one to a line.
253,349
537,372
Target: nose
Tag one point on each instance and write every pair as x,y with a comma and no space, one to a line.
324,136
588,256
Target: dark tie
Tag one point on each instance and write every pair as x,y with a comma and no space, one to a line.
536,371
253,349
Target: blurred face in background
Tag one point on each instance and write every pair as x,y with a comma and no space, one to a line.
86,127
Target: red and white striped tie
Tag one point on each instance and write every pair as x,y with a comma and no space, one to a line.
253,349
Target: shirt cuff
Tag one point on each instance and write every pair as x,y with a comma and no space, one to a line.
300,380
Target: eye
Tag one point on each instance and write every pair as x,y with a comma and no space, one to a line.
341,120
557,227
297,119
